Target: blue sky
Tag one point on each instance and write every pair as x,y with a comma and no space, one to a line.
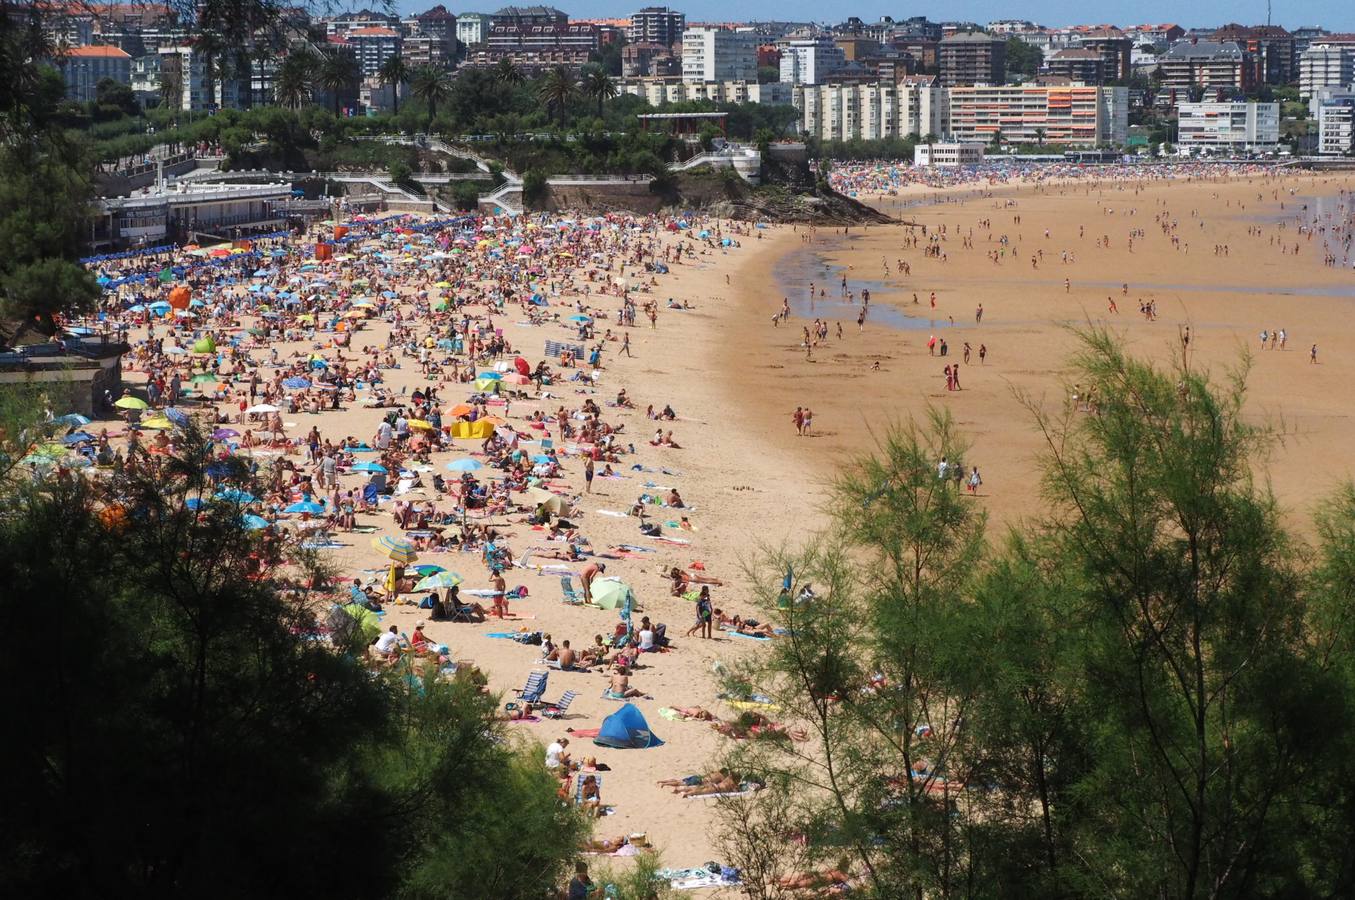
1335,15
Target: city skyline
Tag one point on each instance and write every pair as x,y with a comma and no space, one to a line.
1334,15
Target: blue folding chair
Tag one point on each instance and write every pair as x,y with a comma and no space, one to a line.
567,590
536,686
558,709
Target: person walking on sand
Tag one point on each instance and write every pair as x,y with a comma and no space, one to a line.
974,480
978,315
798,417
703,615
808,420
1312,354
955,374
983,353
625,344
588,475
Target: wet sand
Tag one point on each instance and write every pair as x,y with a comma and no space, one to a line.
1225,300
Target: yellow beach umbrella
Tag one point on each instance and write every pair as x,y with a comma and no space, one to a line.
131,403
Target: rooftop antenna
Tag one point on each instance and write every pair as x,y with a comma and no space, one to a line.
1267,13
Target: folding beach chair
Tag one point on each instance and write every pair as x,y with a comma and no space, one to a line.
536,686
567,589
463,613
558,709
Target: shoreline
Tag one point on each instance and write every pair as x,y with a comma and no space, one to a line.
1027,314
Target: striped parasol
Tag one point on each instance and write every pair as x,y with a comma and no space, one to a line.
397,549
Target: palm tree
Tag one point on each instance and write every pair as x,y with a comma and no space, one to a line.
507,72
556,90
395,73
294,79
171,88
338,73
599,85
433,86
1039,136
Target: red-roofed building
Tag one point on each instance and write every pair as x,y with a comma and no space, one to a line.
86,66
373,46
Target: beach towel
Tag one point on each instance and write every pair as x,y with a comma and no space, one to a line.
751,637
745,792
753,704
697,882
583,732
610,512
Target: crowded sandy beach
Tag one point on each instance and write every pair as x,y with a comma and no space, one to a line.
549,449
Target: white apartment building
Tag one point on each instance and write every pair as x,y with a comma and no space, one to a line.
86,66
947,155
809,60
719,54
472,28
1326,64
1336,124
660,91
1073,115
845,112
1228,127
188,70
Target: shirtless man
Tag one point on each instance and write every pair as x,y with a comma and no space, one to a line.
567,657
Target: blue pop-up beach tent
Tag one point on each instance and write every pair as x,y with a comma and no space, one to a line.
626,729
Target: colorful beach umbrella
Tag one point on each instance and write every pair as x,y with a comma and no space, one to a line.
396,549
131,403
439,580
306,506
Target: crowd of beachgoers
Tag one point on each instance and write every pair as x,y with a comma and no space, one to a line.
430,403
893,177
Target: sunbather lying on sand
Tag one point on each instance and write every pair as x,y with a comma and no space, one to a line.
726,785
751,724
605,845
719,782
694,712
745,626
683,580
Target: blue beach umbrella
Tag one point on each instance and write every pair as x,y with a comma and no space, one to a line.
235,495
368,467
306,506
255,523
465,465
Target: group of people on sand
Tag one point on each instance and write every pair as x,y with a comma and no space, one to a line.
803,419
